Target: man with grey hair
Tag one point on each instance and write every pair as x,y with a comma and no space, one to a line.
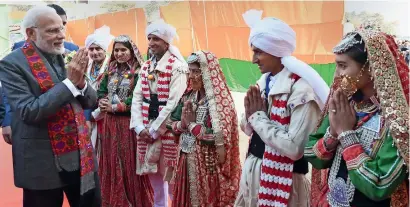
67,45
52,150
6,130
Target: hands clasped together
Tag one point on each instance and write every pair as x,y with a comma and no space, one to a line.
77,68
188,114
254,101
105,105
342,116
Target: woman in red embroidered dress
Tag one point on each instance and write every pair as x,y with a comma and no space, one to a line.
120,186
209,170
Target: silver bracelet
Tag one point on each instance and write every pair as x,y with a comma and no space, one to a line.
326,137
348,138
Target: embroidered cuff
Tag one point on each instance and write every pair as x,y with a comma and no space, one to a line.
176,127
348,138
195,129
321,152
329,139
354,156
255,117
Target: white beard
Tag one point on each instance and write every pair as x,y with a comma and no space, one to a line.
44,46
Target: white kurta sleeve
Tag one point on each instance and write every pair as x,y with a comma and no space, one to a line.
136,108
177,88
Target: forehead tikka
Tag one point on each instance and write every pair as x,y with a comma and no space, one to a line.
193,58
347,42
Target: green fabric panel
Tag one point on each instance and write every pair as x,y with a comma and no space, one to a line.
241,74
383,168
313,139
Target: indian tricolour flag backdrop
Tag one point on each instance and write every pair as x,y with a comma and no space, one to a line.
218,26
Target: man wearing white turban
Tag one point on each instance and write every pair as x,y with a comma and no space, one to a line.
280,112
97,45
163,80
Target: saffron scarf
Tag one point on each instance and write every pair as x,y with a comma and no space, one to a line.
67,129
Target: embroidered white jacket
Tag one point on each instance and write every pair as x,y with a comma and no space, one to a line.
305,113
177,88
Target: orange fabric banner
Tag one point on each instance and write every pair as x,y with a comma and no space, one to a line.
220,28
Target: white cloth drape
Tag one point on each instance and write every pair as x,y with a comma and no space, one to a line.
277,38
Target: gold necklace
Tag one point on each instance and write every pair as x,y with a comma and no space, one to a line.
365,106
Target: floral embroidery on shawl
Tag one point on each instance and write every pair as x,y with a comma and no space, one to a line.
67,128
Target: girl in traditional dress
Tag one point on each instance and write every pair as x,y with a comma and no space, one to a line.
120,185
363,137
209,169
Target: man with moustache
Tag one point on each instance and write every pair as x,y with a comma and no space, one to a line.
162,82
52,152
97,45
